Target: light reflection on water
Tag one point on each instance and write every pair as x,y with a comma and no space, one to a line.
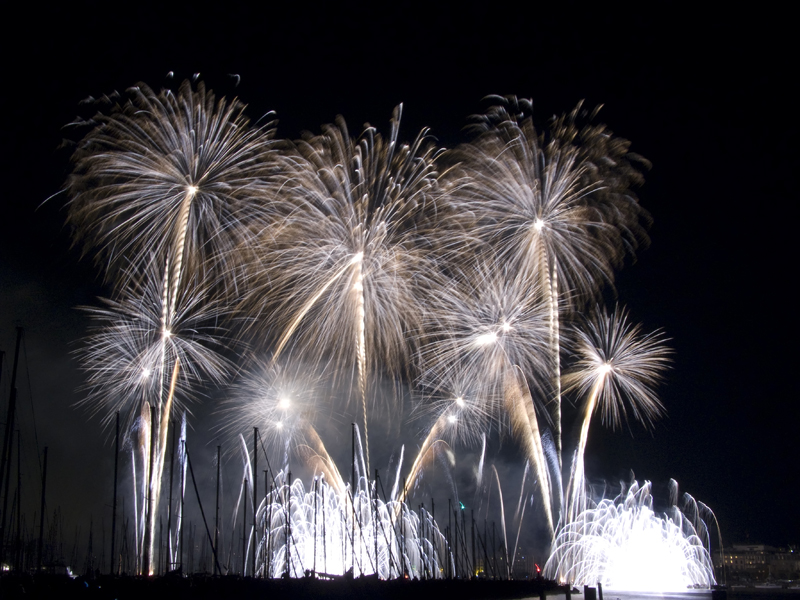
748,594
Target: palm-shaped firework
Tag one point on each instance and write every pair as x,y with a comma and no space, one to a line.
483,320
617,366
172,176
129,356
338,276
488,332
135,362
163,182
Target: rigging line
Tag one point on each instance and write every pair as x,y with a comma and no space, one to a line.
4,379
269,467
33,413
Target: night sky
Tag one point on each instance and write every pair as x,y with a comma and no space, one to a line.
704,96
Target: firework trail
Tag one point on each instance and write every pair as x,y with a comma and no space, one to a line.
526,427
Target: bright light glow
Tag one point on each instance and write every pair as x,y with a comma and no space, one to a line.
486,339
284,403
460,402
279,425
604,369
167,333
146,372
452,419
191,190
538,224
506,327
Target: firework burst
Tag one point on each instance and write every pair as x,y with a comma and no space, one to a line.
169,176
483,321
624,364
617,366
339,275
130,354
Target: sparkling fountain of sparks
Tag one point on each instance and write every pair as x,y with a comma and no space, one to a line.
625,545
329,532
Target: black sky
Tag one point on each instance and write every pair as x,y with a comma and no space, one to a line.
704,95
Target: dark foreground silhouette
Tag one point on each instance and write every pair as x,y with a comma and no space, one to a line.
199,587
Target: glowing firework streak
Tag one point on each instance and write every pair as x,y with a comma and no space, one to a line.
358,288
312,301
425,453
526,425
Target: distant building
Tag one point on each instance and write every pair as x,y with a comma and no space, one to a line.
757,562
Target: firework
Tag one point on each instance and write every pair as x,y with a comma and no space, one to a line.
146,357
284,402
165,180
339,275
171,177
352,261
482,321
130,355
617,366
